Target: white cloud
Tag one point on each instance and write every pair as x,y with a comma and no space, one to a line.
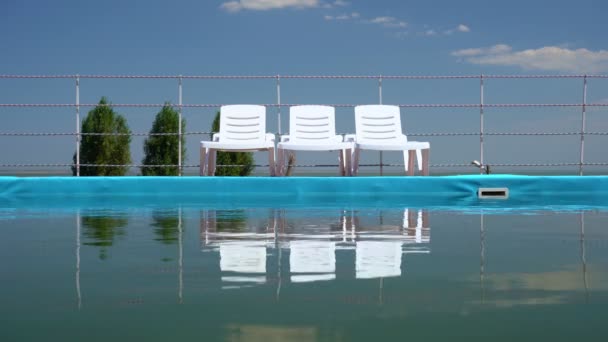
381,20
463,28
337,3
388,22
492,50
468,52
547,58
499,48
460,28
434,32
264,5
346,16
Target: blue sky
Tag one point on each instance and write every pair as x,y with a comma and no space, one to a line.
311,37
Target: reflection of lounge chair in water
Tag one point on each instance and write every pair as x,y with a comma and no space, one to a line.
312,260
416,225
379,249
413,229
377,259
243,247
243,261
242,242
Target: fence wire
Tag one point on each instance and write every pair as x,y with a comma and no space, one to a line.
481,106
304,165
432,134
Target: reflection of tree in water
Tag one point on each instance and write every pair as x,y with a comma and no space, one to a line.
230,220
166,223
102,230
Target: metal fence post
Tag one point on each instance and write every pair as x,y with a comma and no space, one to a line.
77,126
279,104
179,128
583,127
481,124
380,102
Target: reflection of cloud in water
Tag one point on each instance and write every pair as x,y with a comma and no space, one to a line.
269,333
569,279
543,288
511,302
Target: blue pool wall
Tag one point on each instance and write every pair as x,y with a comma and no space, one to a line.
441,191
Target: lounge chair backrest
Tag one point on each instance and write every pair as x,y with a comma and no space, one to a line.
312,124
378,124
242,123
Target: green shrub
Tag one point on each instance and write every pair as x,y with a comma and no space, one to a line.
163,149
104,149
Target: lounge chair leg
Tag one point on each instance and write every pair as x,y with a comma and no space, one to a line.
280,162
341,162
211,164
406,160
271,163
203,162
348,162
355,162
419,159
410,162
425,162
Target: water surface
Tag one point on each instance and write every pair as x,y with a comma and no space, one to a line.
302,274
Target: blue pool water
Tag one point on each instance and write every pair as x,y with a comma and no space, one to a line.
159,268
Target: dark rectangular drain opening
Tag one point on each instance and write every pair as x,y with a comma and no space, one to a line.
495,193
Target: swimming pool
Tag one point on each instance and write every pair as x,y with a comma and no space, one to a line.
459,192
98,259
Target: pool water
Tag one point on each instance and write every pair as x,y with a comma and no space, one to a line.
264,274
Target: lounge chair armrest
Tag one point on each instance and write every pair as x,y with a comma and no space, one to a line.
350,138
285,138
216,137
270,137
338,139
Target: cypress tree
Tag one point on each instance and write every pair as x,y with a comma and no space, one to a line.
104,149
163,149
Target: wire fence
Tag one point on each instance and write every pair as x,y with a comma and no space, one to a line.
481,105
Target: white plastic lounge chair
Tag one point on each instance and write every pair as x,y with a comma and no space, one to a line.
242,129
313,128
378,127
